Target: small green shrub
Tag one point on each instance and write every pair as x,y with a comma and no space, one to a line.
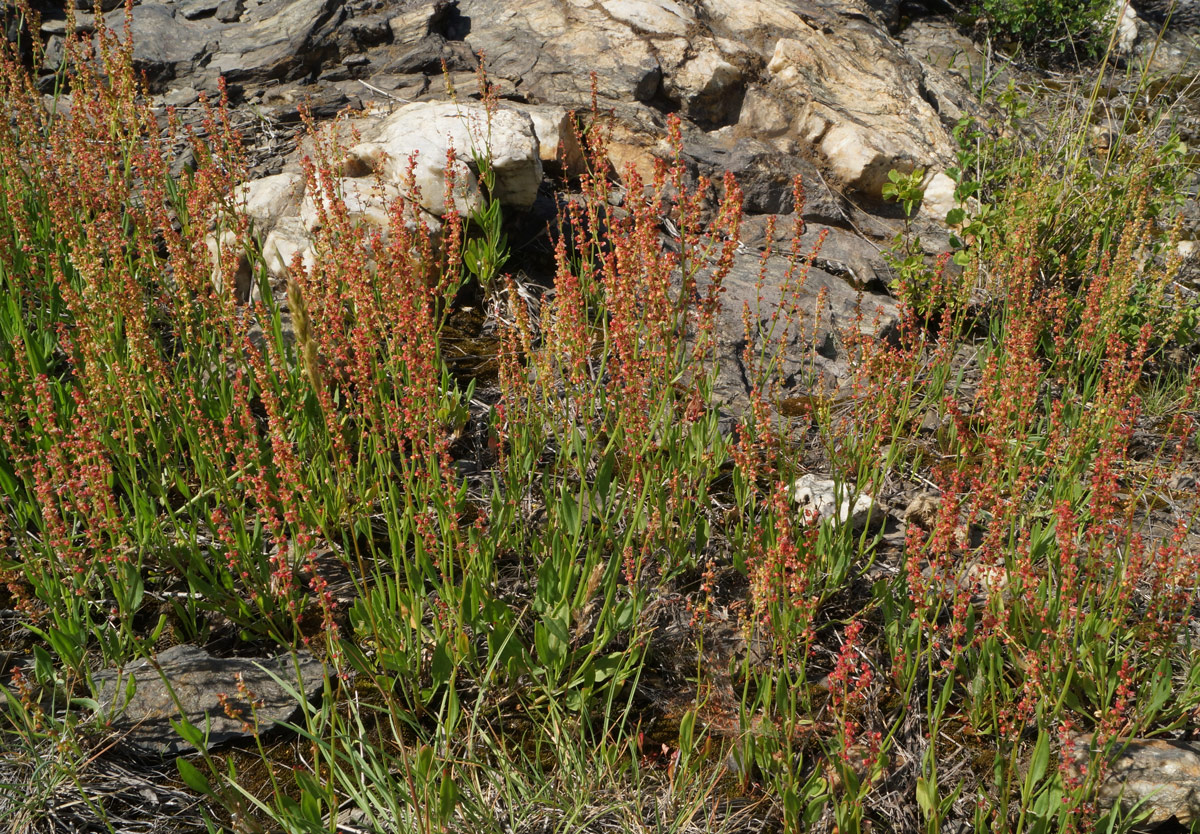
1041,24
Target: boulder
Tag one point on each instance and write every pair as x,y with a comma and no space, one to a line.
366,202
765,173
142,699
164,46
284,242
266,199
558,143
1182,14
429,130
656,17
938,196
551,47
707,87
196,9
418,20
860,103
822,499
230,11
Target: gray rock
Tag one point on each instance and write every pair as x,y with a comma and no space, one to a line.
164,47
195,9
84,22
764,173
551,47
229,11
105,5
1154,776
199,681
279,39
431,53
181,97
812,355
1182,13
56,51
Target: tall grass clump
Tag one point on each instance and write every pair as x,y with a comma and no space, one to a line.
569,595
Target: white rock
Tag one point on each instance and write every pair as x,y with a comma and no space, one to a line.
706,86
429,129
557,142
265,200
818,500
938,197
284,242
859,103
366,202
656,17
430,171
750,17
1126,18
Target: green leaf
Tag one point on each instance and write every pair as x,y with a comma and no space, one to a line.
424,763
447,797
43,665
1039,761
550,638
1160,689
687,726
604,475
955,216
442,666
926,796
8,479
189,732
192,777
568,511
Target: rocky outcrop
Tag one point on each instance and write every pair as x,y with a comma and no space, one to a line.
823,79
769,90
865,115
424,133
809,355
230,698
247,44
406,157
820,79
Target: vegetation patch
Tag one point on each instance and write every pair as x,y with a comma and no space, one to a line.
550,584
